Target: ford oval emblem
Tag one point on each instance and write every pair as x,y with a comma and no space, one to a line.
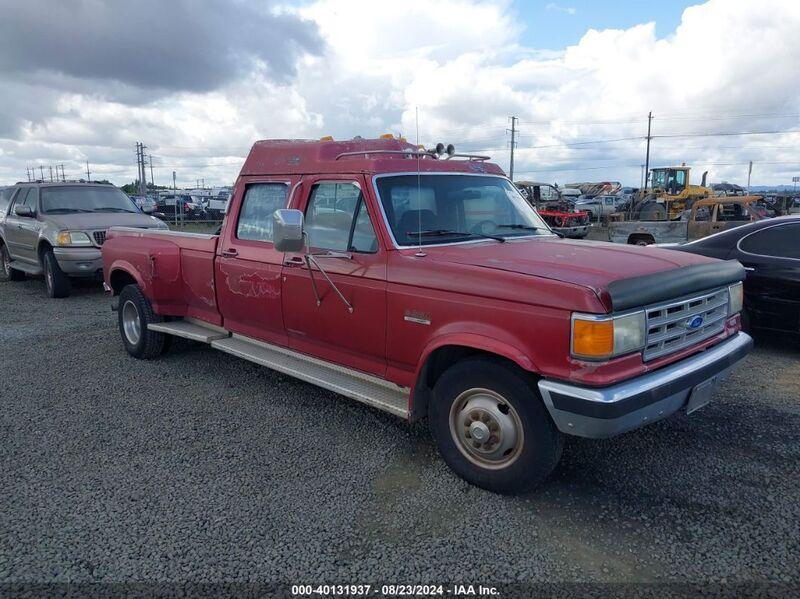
695,322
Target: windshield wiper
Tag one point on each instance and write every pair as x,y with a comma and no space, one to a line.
111,209
54,210
443,232
529,228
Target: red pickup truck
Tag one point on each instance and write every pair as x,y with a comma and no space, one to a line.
420,282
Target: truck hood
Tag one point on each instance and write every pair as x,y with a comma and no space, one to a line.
102,220
591,264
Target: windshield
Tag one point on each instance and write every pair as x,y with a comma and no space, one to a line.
438,209
83,198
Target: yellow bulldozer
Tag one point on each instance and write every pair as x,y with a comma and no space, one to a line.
669,195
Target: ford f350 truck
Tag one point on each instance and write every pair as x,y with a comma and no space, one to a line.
423,284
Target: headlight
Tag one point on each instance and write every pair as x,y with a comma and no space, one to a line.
735,298
73,238
602,337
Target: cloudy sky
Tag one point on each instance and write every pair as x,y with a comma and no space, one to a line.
199,81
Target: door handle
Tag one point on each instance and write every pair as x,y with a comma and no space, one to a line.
229,253
294,261
749,268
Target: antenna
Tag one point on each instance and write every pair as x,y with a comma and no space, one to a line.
420,253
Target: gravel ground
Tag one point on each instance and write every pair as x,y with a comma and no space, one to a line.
203,467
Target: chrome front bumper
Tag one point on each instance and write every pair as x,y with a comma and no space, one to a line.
608,411
79,262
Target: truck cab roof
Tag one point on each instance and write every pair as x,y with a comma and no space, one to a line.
357,155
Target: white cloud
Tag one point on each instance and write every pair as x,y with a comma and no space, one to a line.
558,8
461,62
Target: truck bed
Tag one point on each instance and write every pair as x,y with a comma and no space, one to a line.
662,231
174,269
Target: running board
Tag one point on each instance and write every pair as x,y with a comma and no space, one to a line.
351,383
30,269
189,330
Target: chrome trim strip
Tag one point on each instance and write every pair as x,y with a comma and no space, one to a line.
170,232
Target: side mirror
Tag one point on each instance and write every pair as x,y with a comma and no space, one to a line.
23,211
287,230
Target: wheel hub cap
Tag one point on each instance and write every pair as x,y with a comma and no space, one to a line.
486,428
131,325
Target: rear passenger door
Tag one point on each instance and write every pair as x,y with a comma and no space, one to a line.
248,267
340,213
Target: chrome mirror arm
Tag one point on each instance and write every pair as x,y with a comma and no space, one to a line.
312,261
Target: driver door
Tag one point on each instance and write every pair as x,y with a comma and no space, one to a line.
339,221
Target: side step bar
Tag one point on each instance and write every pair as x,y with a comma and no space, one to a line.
189,330
360,386
31,269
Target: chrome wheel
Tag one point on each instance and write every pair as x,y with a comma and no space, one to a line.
131,323
486,428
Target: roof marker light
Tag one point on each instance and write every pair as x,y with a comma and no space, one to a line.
326,138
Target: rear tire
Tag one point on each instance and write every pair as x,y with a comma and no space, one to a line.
492,427
56,281
134,314
8,273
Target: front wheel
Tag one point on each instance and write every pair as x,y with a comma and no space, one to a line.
57,282
492,427
134,314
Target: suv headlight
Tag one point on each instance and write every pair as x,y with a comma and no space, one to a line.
73,238
735,298
601,337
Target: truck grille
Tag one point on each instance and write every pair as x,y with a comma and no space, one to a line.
673,325
99,237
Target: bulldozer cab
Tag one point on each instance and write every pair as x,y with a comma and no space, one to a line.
673,180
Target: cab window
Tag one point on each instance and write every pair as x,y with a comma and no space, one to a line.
337,219
261,200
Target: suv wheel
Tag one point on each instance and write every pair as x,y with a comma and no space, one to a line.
57,282
134,314
9,274
492,427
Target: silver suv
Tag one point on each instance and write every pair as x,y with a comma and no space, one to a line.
56,229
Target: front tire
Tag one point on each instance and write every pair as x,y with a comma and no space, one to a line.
134,314
492,427
57,282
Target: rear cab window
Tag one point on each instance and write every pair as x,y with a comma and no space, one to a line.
260,201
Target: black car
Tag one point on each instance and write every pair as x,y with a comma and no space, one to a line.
770,252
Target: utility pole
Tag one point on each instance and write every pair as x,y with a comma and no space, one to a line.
150,160
88,173
51,173
647,157
41,172
513,144
140,148
63,176
749,172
